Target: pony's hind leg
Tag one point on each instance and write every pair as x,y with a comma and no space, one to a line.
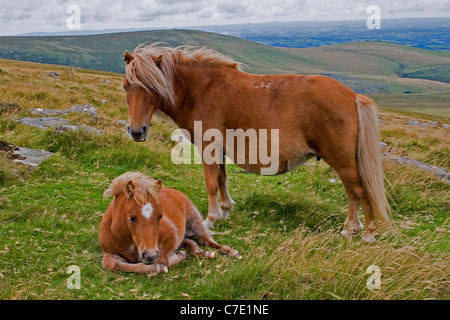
196,250
353,225
356,193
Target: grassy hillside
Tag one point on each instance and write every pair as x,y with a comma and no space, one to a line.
366,67
286,227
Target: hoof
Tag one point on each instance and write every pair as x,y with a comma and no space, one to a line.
209,254
350,233
182,254
208,224
224,214
237,255
188,233
369,237
162,268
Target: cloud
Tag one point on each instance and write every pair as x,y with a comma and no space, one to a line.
44,15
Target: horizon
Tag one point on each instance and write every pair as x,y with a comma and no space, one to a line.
61,16
88,32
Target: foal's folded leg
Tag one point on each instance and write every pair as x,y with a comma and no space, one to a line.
114,262
173,259
196,250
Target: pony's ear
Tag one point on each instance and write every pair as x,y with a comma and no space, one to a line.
158,185
127,57
129,189
158,60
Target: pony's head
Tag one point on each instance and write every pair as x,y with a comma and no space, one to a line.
148,83
136,212
149,79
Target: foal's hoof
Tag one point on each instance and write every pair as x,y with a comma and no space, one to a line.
182,255
162,268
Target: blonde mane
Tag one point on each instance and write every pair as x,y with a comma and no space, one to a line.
145,187
153,66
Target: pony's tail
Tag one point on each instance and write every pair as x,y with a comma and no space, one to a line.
369,160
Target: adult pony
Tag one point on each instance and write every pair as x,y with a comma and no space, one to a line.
315,116
146,223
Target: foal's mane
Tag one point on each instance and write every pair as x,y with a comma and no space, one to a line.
153,66
145,187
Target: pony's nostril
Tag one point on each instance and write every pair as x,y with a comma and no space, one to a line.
144,129
128,128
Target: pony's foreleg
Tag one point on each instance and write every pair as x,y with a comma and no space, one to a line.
114,262
212,173
226,203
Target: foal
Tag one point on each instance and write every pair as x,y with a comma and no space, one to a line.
146,223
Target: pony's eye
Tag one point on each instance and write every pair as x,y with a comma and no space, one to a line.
132,219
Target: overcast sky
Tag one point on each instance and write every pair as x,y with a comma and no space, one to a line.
25,16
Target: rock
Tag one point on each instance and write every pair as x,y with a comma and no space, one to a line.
32,157
431,124
42,123
44,112
104,101
52,74
69,127
91,129
66,127
122,122
446,126
441,173
79,108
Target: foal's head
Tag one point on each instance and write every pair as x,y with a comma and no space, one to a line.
137,212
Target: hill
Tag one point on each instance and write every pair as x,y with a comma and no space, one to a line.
286,227
372,68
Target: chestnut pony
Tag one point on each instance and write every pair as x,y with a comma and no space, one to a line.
146,223
316,116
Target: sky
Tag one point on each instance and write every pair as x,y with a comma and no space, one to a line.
27,16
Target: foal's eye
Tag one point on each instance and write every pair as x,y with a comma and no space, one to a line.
132,219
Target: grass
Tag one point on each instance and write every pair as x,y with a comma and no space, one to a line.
286,227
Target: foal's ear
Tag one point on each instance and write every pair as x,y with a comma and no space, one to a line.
129,189
127,57
158,185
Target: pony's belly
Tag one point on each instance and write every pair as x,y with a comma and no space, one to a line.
285,164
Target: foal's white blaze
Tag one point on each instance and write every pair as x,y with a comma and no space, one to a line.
147,210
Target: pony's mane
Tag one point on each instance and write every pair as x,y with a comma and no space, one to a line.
145,187
145,72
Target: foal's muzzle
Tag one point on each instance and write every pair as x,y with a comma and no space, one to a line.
138,135
150,256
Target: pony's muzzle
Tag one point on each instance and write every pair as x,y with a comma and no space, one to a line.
138,135
149,256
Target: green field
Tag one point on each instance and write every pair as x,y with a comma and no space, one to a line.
372,68
286,227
